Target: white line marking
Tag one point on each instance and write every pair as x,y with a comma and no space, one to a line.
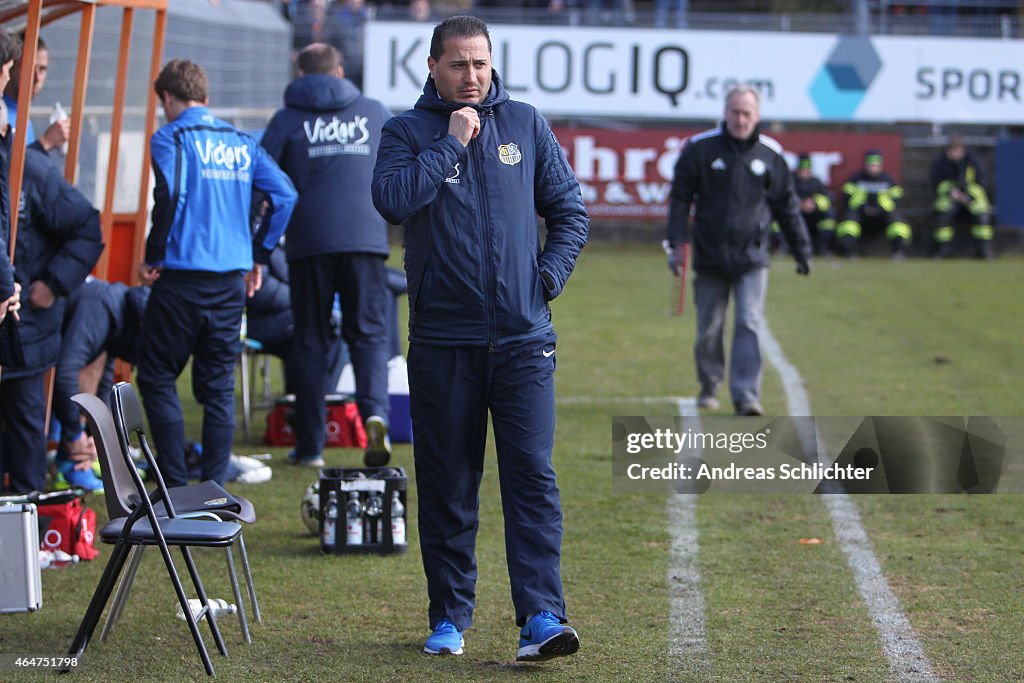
907,660
687,640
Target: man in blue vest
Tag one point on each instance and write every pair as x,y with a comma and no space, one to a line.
202,260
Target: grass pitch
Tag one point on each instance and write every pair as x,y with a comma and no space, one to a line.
869,337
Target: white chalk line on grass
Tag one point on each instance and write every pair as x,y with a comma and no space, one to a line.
687,639
907,660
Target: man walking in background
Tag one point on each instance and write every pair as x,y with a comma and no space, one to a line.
740,182
466,173
326,140
202,260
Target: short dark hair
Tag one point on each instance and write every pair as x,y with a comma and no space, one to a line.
10,46
461,26
184,79
40,43
319,58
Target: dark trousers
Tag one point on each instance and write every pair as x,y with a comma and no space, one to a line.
197,315
360,282
451,391
23,433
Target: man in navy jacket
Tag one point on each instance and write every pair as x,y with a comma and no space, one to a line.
466,172
326,140
58,243
202,260
101,317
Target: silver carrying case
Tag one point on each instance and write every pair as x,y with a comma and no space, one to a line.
20,582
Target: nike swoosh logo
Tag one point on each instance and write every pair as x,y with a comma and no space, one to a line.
548,354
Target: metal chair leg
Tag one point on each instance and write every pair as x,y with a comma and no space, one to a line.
183,601
243,364
248,580
211,618
123,590
238,595
99,599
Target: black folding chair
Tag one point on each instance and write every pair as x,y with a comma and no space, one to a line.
206,499
142,526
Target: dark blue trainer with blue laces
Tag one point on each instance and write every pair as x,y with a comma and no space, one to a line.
445,640
544,636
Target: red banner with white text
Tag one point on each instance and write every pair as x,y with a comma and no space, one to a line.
627,175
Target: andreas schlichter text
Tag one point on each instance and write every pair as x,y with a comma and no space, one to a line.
733,472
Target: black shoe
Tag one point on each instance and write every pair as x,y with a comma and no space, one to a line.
750,409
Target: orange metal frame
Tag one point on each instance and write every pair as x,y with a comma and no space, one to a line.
123,234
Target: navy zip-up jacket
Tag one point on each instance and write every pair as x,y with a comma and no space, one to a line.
205,173
6,269
478,275
326,140
58,243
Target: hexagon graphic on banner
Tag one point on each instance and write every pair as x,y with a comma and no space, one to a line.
844,79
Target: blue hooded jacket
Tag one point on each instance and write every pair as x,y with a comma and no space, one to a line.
326,140
205,173
478,275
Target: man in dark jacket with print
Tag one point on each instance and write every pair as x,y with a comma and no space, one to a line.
58,243
326,140
740,182
466,172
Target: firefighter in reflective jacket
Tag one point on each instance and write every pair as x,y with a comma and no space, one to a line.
871,205
960,194
816,207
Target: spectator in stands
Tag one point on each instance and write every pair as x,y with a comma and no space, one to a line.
326,140
101,318
59,241
347,23
58,132
872,205
202,259
959,186
661,10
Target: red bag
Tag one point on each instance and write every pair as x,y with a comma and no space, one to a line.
343,425
70,527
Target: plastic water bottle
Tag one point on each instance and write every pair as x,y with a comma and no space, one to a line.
58,114
374,519
330,522
397,519
56,559
219,607
353,520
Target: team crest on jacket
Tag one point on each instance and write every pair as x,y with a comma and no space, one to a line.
757,167
510,154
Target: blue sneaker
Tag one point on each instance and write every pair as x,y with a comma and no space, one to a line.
544,636
69,477
445,640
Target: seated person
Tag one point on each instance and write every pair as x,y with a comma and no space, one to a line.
872,198
959,186
101,318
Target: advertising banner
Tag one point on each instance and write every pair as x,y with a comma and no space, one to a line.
644,73
627,175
